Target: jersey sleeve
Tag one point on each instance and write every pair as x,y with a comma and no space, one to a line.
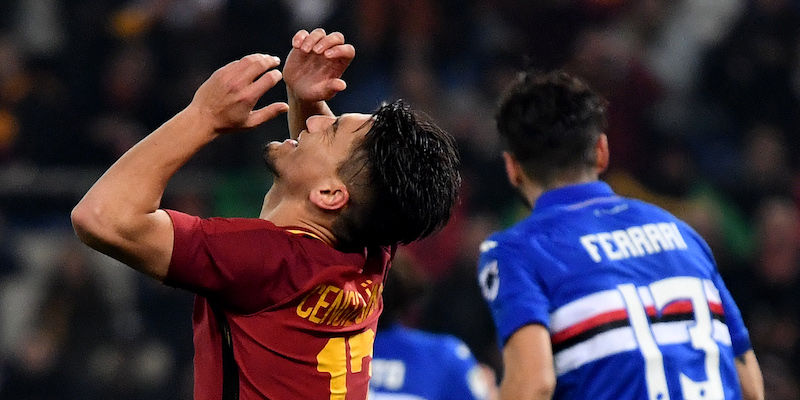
515,296
740,337
229,260
465,380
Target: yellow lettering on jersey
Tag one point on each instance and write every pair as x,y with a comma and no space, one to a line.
333,360
321,303
304,313
336,306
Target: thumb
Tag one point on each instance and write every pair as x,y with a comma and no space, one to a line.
336,85
258,117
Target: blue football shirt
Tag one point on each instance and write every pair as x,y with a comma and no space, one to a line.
631,296
410,364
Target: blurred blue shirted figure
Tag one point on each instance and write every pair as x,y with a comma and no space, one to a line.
410,364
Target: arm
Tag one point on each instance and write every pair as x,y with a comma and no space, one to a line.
120,215
750,376
313,74
528,365
750,379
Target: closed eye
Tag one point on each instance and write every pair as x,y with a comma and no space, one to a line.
331,131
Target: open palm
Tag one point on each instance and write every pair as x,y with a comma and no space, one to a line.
315,65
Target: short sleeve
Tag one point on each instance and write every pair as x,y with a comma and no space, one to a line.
740,337
237,261
508,284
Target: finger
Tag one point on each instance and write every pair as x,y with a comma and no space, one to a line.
312,39
234,68
264,83
241,72
258,117
346,51
222,73
298,38
330,40
257,64
336,85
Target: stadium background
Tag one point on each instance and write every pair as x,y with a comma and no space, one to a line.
704,122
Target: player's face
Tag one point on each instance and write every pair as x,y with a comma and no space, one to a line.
319,149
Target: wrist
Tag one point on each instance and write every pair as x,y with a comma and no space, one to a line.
295,100
307,108
199,121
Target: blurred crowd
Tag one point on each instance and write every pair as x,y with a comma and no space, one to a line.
704,107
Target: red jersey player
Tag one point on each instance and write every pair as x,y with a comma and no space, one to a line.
287,303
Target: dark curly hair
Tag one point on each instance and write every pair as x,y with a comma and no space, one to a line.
403,180
550,123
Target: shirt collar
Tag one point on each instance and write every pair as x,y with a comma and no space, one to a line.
304,233
573,194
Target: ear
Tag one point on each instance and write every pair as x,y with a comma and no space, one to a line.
602,153
513,169
332,195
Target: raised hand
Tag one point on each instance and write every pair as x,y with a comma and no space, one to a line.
228,98
314,67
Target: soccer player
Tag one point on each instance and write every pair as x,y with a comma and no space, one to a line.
596,296
287,304
412,364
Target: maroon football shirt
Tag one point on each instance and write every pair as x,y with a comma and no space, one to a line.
302,315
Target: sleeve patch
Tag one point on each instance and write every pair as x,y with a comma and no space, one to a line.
489,279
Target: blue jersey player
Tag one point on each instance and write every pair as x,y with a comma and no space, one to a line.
596,296
411,364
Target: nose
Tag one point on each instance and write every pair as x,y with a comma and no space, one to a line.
319,122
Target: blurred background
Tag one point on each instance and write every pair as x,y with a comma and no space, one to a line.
705,102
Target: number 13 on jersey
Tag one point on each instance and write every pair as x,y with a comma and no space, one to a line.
664,292
333,359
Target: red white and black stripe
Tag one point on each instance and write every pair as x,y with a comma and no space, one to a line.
597,326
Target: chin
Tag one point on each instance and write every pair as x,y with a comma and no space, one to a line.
270,161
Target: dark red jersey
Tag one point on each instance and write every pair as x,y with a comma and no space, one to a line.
301,315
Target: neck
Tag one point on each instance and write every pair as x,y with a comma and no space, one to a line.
531,190
271,201
285,211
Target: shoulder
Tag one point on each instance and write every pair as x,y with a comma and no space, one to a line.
238,232
509,253
515,247
437,345
649,209
656,212
511,239
219,225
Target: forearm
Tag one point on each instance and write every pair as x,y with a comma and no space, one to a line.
300,110
511,390
313,72
135,183
120,209
120,214
528,362
750,377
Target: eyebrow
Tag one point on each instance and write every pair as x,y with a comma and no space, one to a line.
367,122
